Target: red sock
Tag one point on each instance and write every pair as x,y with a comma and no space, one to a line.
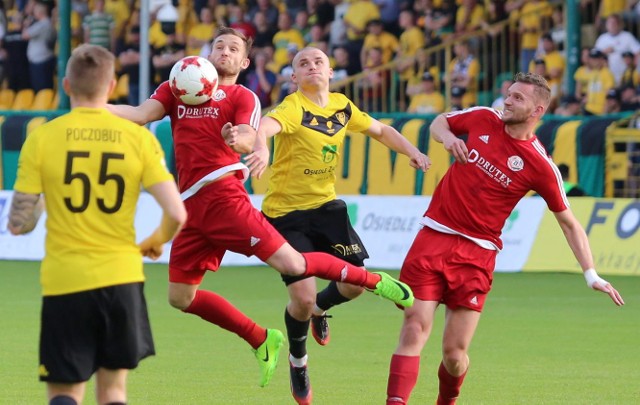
449,386
328,267
215,309
403,375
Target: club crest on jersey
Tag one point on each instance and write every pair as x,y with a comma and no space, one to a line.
515,163
219,95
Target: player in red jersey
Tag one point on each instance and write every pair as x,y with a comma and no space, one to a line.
208,140
452,258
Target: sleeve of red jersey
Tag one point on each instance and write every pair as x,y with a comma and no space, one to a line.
248,109
549,186
164,95
461,122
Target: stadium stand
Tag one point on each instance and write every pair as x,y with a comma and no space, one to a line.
42,100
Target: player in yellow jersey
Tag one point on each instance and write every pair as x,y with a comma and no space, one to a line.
301,201
89,165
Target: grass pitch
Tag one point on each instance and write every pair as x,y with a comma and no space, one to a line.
543,339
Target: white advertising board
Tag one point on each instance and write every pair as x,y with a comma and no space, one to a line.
386,224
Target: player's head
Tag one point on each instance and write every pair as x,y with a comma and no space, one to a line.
311,69
230,51
527,99
90,73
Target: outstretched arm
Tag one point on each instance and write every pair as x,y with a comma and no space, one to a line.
579,244
150,110
24,213
258,160
394,140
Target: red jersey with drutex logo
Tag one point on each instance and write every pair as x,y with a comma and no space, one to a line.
199,147
475,199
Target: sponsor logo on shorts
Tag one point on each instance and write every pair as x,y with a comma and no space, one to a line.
254,241
347,250
474,300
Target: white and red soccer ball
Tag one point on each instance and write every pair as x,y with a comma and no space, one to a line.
193,80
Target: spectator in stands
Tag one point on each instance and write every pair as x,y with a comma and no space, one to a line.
438,22
463,71
338,28
129,58
571,189
120,11
41,35
582,74
377,37
469,16
427,100
99,27
555,65
342,68
374,85
601,80
356,18
237,20
261,80
390,15
316,36
612,103
16,52
268,9
614,43
411,41
629,100
201,33
301,23
606,9
457,95
166,56
569,106
264,31
286,35
630,76
323,12
498,103
287,86
533,16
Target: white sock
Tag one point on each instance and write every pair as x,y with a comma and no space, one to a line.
298,362
317,311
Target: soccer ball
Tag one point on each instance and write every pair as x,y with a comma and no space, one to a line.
193,80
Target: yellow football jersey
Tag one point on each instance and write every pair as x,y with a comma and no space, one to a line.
90,164
307,151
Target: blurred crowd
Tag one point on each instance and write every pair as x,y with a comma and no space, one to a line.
358,35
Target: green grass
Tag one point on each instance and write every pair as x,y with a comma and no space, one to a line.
543,339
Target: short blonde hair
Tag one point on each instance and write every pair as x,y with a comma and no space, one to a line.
90,71
541,88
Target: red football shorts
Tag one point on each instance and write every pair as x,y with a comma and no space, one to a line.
448,268
220,218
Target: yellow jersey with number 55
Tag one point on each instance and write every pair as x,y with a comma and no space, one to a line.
90,166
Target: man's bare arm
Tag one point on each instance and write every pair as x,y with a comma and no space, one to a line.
25,212
149,110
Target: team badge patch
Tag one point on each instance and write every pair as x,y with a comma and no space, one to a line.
219,95
515,163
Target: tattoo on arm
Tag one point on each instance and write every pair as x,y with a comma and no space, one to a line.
25,212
